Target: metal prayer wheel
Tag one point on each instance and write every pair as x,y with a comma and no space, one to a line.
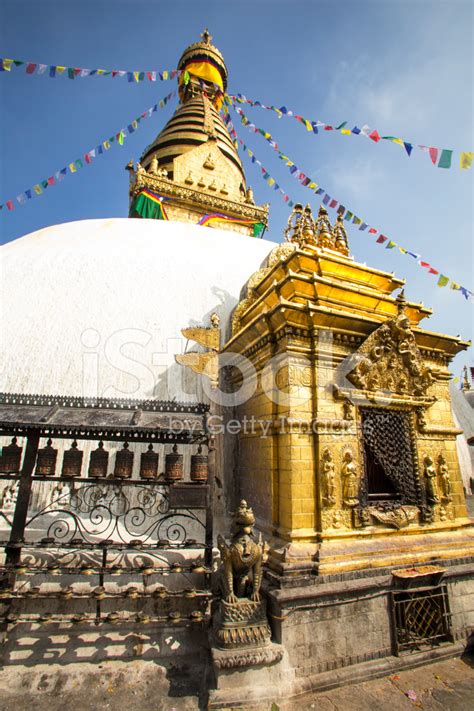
174,465
72,462
98,461
46,460
10,460
199,466
123,463
149,464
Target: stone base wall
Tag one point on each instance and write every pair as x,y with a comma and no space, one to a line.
339,624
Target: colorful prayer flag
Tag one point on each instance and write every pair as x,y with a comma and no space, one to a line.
445,159
466,159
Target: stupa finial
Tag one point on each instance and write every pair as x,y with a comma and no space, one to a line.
206,37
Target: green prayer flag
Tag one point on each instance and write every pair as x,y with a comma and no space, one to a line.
186,78
148,209
445,160
258,229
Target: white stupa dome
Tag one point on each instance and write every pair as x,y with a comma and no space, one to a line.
96,307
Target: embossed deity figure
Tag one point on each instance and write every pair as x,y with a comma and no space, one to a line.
430,481
328,477
241,620
443,472
349,477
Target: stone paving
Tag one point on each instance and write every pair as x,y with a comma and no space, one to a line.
142,686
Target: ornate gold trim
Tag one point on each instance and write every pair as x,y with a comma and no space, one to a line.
195,198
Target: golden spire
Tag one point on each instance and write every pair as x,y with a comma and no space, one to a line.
193,161
324,233
340,236
466,385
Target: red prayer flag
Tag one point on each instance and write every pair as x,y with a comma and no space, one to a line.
431,270
9,204
424,264
381,239
375,136
433,155
372,231
333,203
30,68
328,128
87,158
51,181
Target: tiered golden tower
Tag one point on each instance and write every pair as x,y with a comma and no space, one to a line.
193,162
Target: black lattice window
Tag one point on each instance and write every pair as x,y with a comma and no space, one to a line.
421,618
390,473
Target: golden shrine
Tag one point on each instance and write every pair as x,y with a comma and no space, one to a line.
361,447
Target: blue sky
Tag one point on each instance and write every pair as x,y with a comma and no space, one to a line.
404,68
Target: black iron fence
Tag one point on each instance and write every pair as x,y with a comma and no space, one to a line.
104,536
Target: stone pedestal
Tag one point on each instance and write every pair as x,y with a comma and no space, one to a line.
249,676
241,625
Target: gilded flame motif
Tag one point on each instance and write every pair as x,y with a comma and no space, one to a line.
389,359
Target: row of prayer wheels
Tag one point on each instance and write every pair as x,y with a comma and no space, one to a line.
99,460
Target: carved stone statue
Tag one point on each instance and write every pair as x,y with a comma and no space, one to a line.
443,472
328,477
241,620
249,196
153,166
349,477
242,559
430,481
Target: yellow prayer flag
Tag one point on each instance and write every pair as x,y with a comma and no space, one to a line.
37,189
311,186
136,76
454,286
402,250
398,140
289,163
308,125
106,145
250,152
7,64
165,75
270,182
60,70
346,131
100,72
72,168
466,159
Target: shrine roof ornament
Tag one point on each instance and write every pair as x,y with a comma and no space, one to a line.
389,359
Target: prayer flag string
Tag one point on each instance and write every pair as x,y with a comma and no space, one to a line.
330,201
87,158
440,157
54,70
